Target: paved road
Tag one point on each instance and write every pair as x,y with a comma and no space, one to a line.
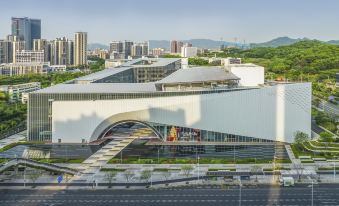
299,195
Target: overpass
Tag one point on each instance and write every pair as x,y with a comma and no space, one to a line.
36,164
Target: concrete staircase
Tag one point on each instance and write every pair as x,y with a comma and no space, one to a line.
93,164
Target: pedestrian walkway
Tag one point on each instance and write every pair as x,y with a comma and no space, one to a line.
36,164
290,153
94,163
12,139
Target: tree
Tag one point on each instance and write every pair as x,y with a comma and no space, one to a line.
187,169
299,169
34,175
300,138
128,174
109,177
256,169
146,175
166,174
67,177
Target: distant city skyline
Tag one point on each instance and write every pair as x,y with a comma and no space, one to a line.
252,21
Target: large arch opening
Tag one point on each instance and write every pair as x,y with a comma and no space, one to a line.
127,128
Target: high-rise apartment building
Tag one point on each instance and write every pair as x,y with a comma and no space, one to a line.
6,49
62,52
176,46
42,45
116,46
158,51
173,46
80,48
180,44
139,49
26,29
17,46
128,48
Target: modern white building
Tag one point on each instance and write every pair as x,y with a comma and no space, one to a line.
189,51
250,74
209,101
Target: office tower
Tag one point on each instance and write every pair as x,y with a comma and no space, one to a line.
116,46
26,29
80,48
128,48
42,45
35,29
173,46
62,52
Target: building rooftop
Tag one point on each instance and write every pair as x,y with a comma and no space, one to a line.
100,88
150,62
102,74
198,74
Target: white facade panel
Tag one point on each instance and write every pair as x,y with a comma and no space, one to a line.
249,75
273,113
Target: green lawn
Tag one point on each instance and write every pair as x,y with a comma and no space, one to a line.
74,161
298,151
193,161
10,146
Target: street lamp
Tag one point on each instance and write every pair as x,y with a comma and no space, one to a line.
198,168
121,157
334,172
240,191
151,176
312,193
158,155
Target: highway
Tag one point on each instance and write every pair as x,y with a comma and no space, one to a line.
262,195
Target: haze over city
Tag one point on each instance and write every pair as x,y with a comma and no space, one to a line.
252,21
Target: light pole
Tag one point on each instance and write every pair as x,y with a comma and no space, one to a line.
240,191
25,174
198,169
158,155
151,176
334,172
312,193
121,157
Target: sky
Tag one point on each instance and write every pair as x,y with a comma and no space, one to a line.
139,20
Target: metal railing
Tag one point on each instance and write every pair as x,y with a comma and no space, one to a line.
33,163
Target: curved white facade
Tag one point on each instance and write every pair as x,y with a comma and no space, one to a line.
272,112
